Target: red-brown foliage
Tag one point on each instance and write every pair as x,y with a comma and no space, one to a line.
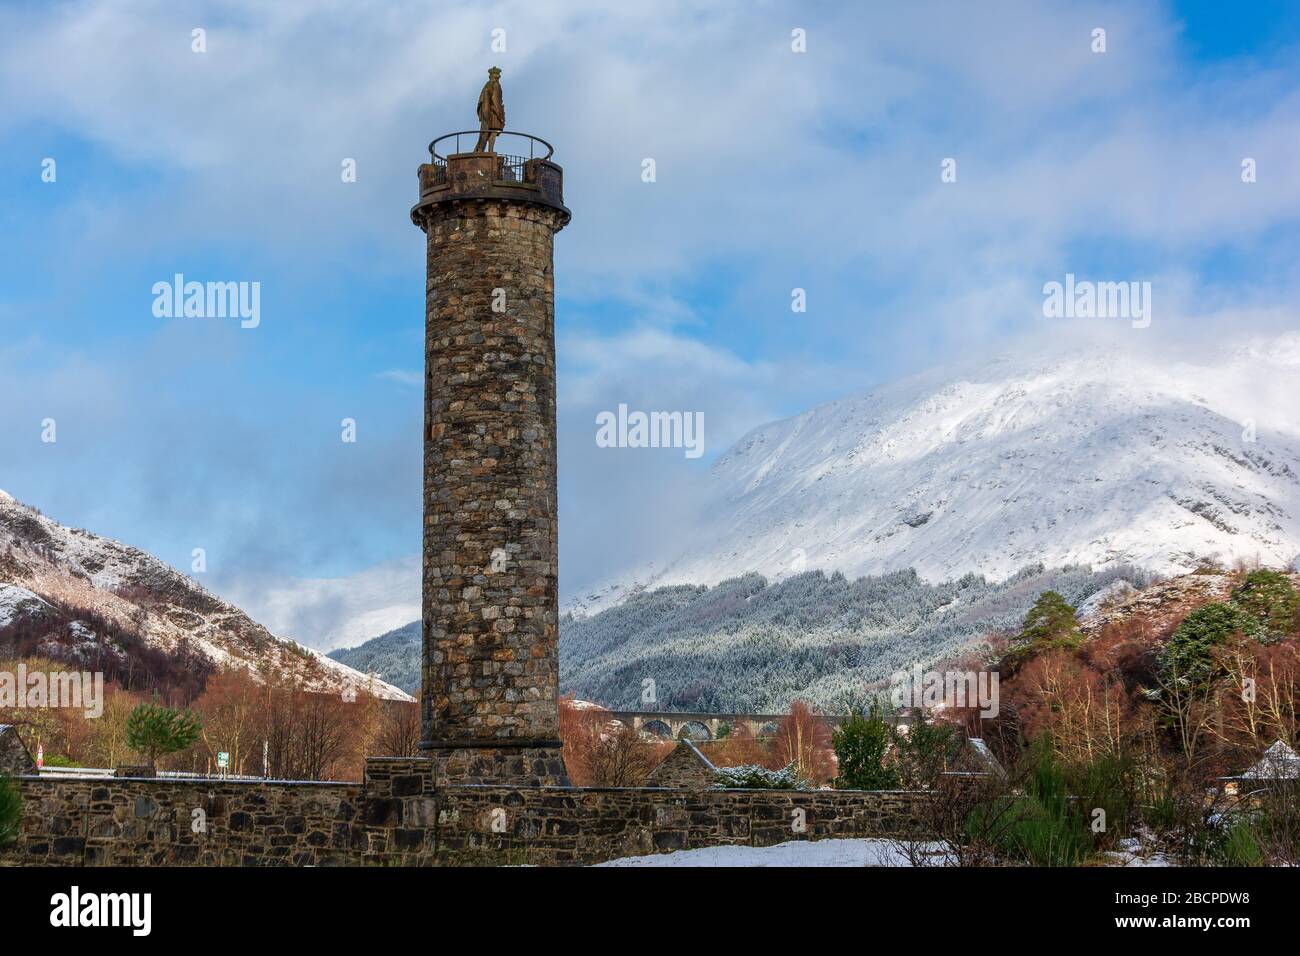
602,752
804,739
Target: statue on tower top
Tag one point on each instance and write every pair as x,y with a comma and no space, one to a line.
491,113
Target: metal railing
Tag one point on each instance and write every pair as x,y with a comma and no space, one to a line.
58,772
512,167
535,145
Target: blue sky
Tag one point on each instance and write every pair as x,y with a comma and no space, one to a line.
775,170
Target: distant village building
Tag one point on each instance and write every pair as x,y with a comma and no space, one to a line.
685,768
1280,765
977,758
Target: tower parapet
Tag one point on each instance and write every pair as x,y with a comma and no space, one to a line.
452,175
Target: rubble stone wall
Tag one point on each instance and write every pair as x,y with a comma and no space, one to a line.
397,816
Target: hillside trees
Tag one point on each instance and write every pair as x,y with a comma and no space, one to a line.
740,746
1189,658
1269,598
1192,662
1051,620
311,736
1085,711
399,729
1261,698
747,646
232,708
308,735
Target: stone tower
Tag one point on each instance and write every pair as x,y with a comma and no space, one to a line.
490,582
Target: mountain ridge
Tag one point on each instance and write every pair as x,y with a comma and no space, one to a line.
1104,458
78,597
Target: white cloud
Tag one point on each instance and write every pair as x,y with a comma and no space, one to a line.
329,613
775,170
401,376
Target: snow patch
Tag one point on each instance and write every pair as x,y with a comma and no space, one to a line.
17,602
835,853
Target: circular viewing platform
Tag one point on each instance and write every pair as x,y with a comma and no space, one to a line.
524,174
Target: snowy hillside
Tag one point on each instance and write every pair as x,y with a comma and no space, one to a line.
747,646
1102,458
65,589
393,655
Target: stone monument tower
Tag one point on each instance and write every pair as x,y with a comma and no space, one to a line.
490,580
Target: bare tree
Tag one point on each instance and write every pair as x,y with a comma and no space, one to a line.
802,738
399,729
602,752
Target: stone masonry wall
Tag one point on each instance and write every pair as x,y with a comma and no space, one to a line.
397,816
491,668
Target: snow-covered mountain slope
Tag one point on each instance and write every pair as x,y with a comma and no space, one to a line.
1099,458
395,655
75,587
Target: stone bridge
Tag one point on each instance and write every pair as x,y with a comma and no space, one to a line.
703,726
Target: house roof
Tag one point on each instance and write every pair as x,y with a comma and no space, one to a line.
985,757
698,752
1279,762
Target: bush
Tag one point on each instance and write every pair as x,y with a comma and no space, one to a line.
155,731
1268,833
751,777
1175,809
1188,656
861,743
1108,783
1047,828
1268,598
922,752
1238,846
10,811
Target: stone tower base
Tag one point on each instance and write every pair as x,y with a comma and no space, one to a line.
539,765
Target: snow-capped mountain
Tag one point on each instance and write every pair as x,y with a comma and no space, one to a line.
78,597
1098,458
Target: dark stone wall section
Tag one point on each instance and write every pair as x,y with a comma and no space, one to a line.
14,758
398,816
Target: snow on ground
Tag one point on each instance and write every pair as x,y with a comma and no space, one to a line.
1133,852
865,852
16,602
